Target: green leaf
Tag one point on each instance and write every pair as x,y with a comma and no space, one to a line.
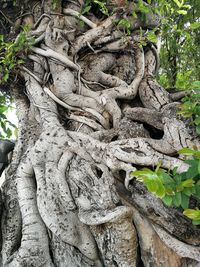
197,187
184,201
1,38
186,151
187,6
195,25
182,12
152,185
160,192
167,179
178,178
145,172
178,3
151,36
187,192
177,199
20,61
134,14
81,24
188,183
193,170
6,76
199,167
8,132
197,108
152,181
102,6
196,84
142,8
167,200
86,10
126,24
174,171
196,222
179,188
169,191
3,125
192,214
197,120
198,129
193,189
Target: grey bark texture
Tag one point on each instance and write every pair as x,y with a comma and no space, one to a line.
90,111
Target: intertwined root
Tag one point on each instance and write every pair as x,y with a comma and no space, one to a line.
65,181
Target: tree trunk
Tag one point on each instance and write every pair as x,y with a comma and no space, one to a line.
90,112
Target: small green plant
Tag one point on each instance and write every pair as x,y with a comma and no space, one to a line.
98,4
7,128
175,189
12,54
191,106
194,215
102,6
55,4
126,25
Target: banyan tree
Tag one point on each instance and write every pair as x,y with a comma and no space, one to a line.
90,112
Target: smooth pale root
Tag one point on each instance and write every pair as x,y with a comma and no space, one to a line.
47,52
57,100
71,12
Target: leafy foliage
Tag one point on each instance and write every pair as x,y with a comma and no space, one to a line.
102,6
191,106
175,189
7,128
55,4
180,52
126,25
194,215
99,5
12,54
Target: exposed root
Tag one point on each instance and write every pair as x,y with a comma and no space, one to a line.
65,180
92,35
47,52
71,12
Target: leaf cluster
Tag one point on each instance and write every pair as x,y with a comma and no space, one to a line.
180,51
99,5
13,54
102,6
175,189
7,128
191,106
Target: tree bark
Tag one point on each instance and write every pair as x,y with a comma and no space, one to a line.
90,111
